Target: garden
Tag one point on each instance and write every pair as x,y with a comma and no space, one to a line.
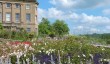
53,45
70,50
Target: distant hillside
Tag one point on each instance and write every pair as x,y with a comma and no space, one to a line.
102,36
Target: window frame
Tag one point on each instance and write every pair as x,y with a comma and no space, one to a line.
28,18
17,5
17,18
7,5
0,4
28,29
0,16
9,18
28,6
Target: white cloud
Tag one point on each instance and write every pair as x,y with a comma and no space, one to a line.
53,2
82,23
94,20
41,13
80,27
106,11
63,3
54,13
94,30
107,27
79,3
85,29
50,13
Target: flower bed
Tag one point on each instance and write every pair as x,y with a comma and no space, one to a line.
67,51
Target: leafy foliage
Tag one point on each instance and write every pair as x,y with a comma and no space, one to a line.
1,27
44,27
58,28
102,37
20,35
75,47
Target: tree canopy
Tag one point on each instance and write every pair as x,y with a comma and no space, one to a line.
58,28
44,27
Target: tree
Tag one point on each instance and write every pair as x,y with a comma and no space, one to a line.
60,28
44,27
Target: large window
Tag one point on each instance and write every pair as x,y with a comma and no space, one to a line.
8,5
8,16
17,5
28,17
0,4
28,6
28,29
0,16
17,17
36,18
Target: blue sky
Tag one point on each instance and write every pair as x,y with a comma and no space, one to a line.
82,16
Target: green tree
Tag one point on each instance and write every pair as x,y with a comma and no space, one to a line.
60,28
44,27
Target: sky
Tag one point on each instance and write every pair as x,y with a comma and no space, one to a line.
81,16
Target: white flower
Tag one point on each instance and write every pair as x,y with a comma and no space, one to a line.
91,55
105,59
14,53
24,55
20,53
103,48
3,56
39,50
62,51
42,48
11,54
51,50
30,48
45,43
47,52
84,55
18,56
78,55
34,44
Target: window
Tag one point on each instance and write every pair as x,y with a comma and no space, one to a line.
8,5
8,17
28,17
36,18
27,6
17,5
28,29
0,16
17,17
0,4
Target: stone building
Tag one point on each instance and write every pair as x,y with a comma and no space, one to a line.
17,14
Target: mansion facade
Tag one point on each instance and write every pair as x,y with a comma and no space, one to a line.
17,14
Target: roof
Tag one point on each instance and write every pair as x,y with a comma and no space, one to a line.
21,0
35,1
